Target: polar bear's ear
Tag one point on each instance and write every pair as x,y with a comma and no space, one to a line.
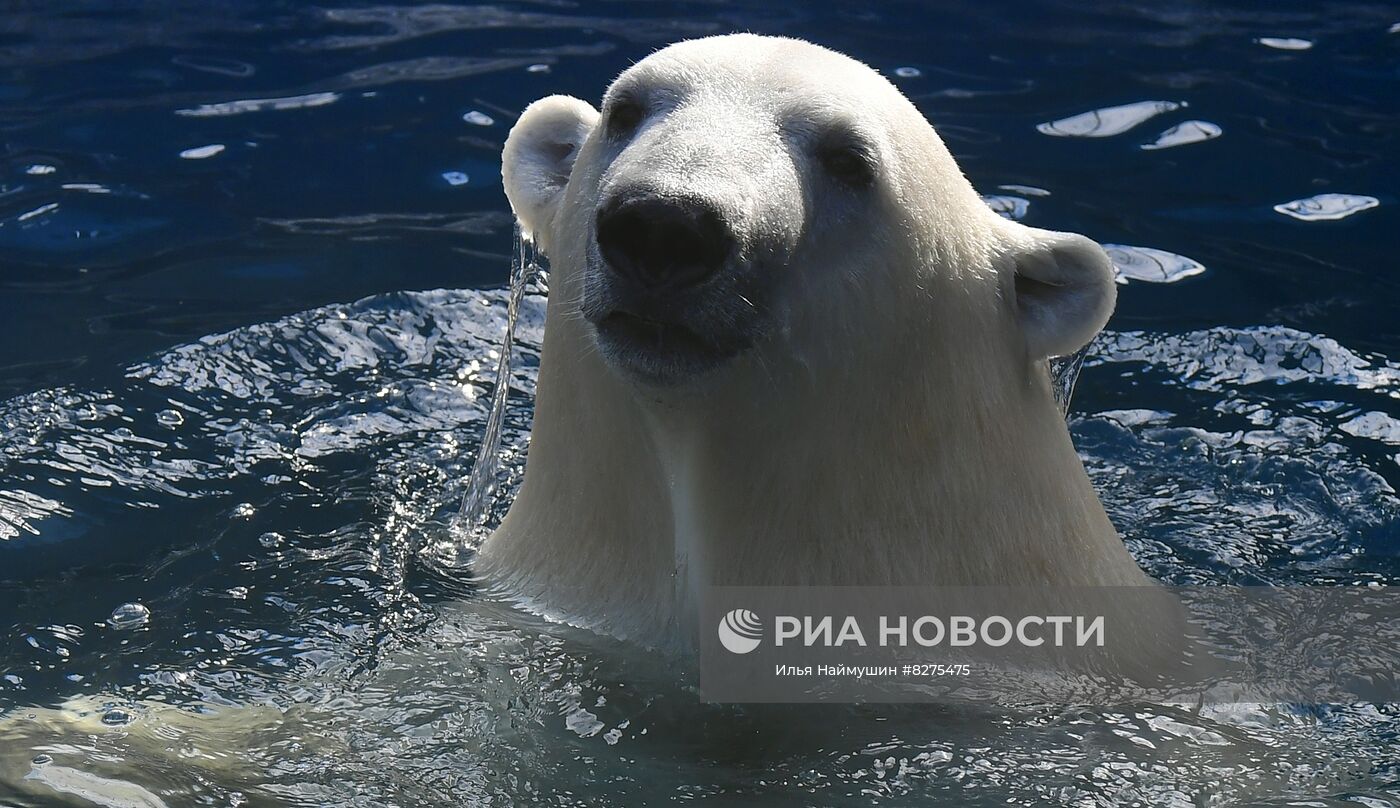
539,157
1064,291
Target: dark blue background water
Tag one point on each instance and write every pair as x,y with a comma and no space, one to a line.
1223,453
336,202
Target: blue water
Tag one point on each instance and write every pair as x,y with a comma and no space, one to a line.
243,387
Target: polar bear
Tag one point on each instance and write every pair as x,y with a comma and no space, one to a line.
786,343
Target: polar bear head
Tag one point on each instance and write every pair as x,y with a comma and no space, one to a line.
770,201
786,343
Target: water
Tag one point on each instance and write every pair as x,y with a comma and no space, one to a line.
525,273
244,387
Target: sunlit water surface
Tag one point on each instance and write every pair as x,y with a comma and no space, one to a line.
222,526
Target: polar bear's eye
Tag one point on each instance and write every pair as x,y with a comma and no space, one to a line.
847,161
624,116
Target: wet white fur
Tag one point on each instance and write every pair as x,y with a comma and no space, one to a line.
897,428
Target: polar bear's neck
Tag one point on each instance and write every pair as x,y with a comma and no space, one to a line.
922,469
884,475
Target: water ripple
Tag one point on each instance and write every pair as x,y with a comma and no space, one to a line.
404,24
329,446
1265,491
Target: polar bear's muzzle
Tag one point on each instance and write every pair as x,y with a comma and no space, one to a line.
657,244
667,294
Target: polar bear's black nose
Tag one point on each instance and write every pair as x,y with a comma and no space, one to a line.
663,243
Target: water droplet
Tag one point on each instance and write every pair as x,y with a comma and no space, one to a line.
170,418
455,177
1284,43
129,616
116,718
42,760
1107,121
477,118
1183,134
908,72
271,539
537,69
1327,207
1150,265
201,152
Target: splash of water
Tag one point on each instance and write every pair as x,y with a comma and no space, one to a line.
1064,372
525,270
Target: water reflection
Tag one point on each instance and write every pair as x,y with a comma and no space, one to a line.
1108,121
1011,207
202,152
395,24
1287,43
1026,190
259,105
1150,265
1327,207
1183,134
